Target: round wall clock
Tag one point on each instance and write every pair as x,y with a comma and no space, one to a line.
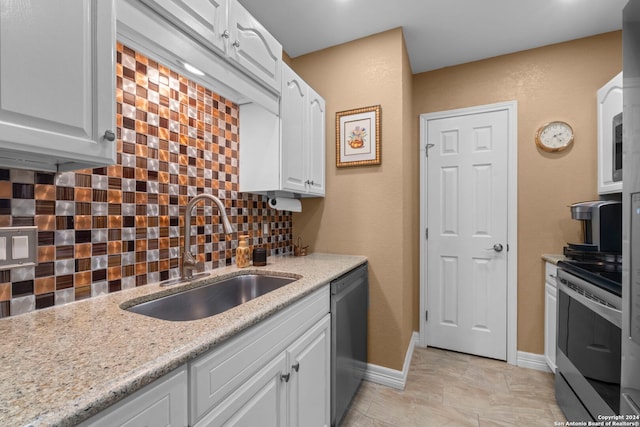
554,136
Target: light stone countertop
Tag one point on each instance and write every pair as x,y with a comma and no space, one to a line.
553,258
61,365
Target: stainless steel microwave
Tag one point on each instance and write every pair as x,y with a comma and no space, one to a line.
617,148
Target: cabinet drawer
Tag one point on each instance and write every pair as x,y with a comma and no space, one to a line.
550,273
215,375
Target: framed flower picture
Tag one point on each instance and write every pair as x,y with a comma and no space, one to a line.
358,137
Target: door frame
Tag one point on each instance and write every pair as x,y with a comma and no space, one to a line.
512,216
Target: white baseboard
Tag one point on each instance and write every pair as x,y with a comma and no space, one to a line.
532,361
392,377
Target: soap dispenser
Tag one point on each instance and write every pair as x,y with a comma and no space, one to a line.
243,253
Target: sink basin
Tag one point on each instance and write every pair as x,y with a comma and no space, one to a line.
209,300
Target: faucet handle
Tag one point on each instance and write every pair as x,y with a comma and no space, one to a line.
189,264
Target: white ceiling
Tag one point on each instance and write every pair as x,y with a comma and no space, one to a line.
438,33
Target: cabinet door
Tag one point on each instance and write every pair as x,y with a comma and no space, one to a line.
293,110
550,316
309,384
57,84
162,403
316,142
252,47
204,20
609,105
259,402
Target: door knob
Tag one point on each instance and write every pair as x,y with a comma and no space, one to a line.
109,135
497,247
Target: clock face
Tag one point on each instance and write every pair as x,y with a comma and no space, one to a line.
554,136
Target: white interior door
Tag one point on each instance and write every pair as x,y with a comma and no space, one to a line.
467,219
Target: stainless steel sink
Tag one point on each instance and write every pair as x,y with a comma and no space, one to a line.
208,300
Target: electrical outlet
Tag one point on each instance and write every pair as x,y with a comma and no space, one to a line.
18,247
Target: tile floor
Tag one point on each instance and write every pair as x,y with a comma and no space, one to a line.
452,389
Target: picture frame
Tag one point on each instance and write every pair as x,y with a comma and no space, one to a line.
358,137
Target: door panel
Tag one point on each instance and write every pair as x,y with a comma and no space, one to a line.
253,47
467,211
259,402
293,107
316,141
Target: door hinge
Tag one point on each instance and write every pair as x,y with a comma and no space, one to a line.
426,233
426,315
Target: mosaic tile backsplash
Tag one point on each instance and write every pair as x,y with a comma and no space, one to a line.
106,229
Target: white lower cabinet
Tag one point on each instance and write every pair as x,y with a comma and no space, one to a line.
161,403
550,315
276,373
309,385
291,390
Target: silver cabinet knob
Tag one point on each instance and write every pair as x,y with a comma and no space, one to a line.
236,43
225,34
285,377
497,247
296,367
109,135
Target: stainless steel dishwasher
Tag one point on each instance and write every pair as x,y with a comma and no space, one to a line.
349,311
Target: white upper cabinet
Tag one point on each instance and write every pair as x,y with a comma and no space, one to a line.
302,112
252,47
610,131
316,140
293,113
203,20
57,84
291,161
228,29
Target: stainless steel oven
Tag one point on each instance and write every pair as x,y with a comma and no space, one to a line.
589,346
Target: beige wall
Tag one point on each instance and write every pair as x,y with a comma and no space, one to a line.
370,210
557,82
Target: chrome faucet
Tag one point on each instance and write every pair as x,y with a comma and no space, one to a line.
189,262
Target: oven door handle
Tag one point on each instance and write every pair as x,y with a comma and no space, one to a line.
611,314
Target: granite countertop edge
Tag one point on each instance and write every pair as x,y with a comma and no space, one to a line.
553,258
69,404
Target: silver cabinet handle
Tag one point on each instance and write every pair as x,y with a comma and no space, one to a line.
497,247
225,34
109,135
285,377
296,367
236,43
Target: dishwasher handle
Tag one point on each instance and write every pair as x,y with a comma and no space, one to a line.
354,276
